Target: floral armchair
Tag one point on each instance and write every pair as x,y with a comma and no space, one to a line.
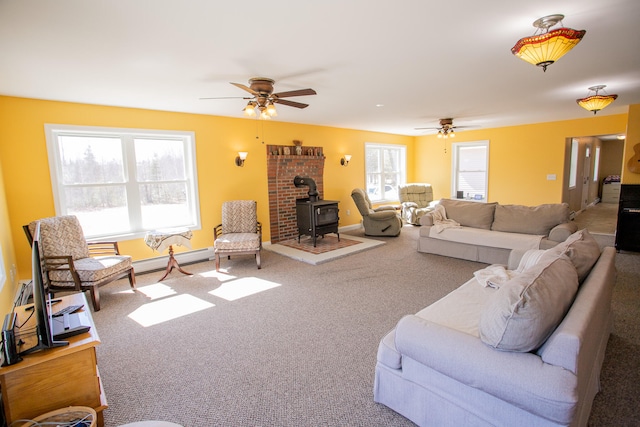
72,264
240,232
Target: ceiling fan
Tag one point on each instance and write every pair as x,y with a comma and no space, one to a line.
263,99
446,129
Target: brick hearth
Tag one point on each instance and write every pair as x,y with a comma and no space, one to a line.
281,169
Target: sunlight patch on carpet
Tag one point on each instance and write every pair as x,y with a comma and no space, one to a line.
167,309
157,290
243,287
327,248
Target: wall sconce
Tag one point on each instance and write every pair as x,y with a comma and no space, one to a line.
242,156
345,160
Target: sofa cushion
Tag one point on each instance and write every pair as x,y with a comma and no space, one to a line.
581,248
526,309
530,219
470,214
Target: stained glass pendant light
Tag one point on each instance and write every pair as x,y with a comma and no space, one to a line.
545,48
596,102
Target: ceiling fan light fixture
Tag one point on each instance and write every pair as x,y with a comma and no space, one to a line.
547,47
596,102
264,115
250,109
271,110
452,134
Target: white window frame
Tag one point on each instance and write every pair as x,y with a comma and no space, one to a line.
127,137
401,177
573,168
455,170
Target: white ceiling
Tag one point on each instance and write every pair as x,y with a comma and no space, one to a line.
421,59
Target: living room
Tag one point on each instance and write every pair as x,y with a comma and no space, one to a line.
522,156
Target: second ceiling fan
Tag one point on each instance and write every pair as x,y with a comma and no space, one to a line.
446,129
263,100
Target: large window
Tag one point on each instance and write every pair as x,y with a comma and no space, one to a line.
470,170
123,182
386,167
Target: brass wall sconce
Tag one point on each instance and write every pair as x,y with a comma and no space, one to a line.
240,158
345,160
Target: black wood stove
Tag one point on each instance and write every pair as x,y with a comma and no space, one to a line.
315,217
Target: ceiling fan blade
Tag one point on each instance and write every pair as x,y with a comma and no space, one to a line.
290,103
245,87
427,128
229,97
299,92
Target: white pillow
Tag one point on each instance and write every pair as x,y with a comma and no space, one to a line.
529,259
522,314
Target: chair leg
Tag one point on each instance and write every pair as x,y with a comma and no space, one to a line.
217,256
95,297
132,278
258,259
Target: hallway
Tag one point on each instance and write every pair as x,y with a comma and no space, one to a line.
601,218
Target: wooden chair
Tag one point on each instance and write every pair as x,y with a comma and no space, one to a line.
70,263
240,232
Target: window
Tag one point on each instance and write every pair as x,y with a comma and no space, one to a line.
385,169
470,170
596,165
573,170
123,182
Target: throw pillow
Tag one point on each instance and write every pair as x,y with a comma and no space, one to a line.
522,314
470,214
538,220
581,248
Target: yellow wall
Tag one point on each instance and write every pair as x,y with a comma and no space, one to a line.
8,256
27,183
520,158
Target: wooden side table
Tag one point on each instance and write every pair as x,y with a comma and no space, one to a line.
159,240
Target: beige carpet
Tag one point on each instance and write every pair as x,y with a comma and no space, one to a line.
601,218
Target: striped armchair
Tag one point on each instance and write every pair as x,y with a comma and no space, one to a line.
70,263
240,232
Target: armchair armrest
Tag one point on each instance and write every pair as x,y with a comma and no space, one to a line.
511,376
407,205
103,248
383,215
560,232
62,263
384,208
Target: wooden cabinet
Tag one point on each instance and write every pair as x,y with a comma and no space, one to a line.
56,378
611,192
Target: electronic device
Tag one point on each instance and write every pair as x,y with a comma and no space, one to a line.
9,351
69,324
42,308
67,310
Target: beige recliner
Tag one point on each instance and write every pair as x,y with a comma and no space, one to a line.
416,200
381,221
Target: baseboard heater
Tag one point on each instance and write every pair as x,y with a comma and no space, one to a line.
160,263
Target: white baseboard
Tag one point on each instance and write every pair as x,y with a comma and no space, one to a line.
160,263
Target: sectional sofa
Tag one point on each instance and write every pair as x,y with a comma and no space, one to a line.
524,351
487,232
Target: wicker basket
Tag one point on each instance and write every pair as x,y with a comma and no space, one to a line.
72,416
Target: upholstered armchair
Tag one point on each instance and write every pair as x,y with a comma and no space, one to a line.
416,200
72,264
240,232
381,221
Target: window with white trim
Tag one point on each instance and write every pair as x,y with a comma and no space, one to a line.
385,169
470,170
573,168
121,183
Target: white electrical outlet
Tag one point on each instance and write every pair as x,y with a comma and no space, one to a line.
348,212
551,177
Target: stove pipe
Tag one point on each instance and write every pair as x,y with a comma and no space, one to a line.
305,181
